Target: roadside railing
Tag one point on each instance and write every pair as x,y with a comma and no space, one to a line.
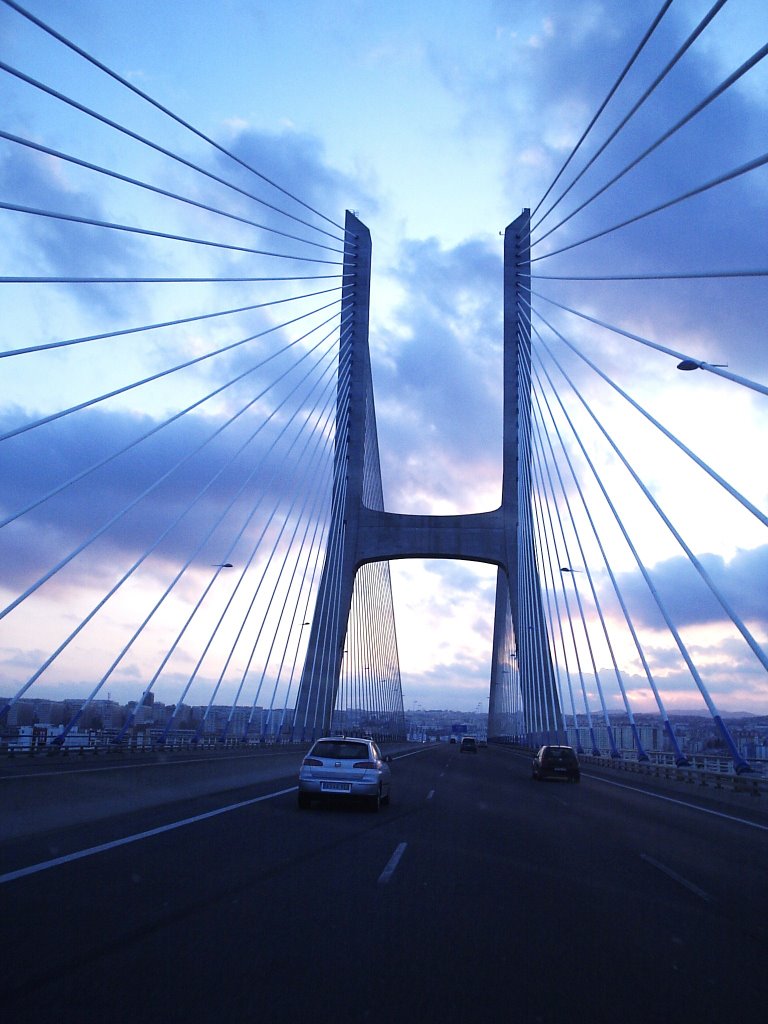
711,773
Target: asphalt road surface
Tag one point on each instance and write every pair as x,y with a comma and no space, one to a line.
477,894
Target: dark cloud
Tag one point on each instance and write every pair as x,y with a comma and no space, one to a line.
37,461
309,204
46,246
437,390
297,162
743,580
51,247
461,576
548,91
732,676
437,378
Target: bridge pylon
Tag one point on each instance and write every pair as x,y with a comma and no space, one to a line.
361,531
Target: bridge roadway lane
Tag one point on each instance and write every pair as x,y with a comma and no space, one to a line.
533,902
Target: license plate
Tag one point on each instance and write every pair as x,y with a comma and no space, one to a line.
336,787
561,771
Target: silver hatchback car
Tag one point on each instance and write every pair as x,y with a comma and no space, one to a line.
345,766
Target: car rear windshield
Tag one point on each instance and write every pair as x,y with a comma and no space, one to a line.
560,754
341,750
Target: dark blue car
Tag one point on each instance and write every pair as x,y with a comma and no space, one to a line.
556,762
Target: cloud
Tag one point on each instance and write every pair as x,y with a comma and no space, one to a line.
277,482
542,100
436,374
742,579
714,320
47,246
309,185
32,467
36,461
437,351
733,678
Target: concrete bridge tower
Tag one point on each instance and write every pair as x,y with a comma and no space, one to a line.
362,533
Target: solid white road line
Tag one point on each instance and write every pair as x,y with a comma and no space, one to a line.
682,803
394,860
33,869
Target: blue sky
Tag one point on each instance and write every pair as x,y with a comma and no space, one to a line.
437,130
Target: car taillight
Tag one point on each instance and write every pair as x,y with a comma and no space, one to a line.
312,762
365,764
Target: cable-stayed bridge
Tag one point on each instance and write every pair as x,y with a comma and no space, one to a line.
197,516
193,496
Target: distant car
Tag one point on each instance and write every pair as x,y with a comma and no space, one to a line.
453,739
346,767
556,762
468,745
482,742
